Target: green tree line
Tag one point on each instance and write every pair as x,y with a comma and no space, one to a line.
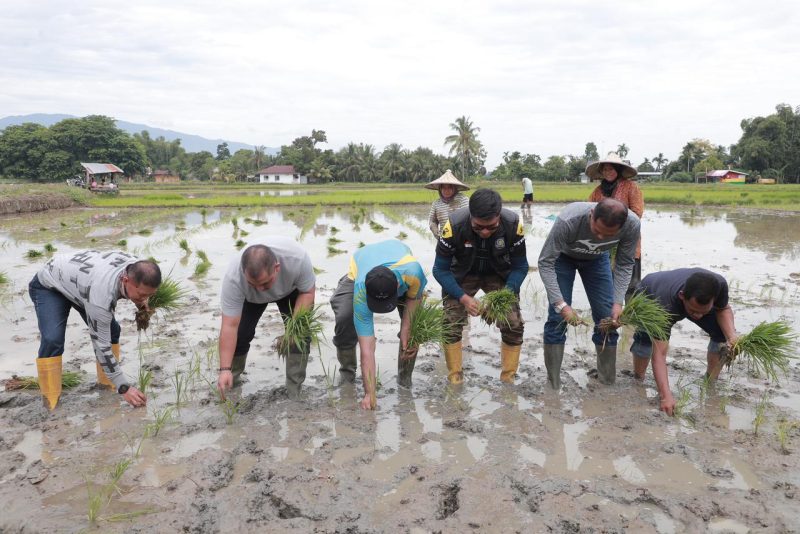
769,146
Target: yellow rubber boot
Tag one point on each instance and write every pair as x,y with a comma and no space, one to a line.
453,356
509,359
102,379
49,370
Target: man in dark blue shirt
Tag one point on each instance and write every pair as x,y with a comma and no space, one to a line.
695,294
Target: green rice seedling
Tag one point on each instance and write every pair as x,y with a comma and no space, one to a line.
230,409
33,253
334,241
402,235
144,379
761,412
122,243
258,222
42,229
117,471
202,255
184,246
97,499
3,278
160,418
63,223
782,433
69,379
201,268
235,222
767,349
203,212
376,227
317,270
127,516
682,405
334,230
49,248
169,296
244,233
361,244
248,220
145,231
333,251
180,383
496,305
428,325
302,325
643,313
239,244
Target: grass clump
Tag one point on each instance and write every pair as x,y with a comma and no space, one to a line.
427,324
304,325
33,253
645,314
767,349
69,379
496,305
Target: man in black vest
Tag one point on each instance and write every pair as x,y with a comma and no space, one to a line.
481,247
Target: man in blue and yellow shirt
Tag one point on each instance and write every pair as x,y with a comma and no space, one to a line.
382,276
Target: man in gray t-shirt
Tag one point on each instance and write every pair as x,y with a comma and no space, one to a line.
579,242
277,270
90,282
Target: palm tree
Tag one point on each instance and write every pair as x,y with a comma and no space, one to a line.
392,162
660,161
464,143
623,150
259,152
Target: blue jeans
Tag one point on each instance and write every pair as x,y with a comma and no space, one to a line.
52,311
642,346
599,286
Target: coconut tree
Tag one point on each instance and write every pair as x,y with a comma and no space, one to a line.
660,161
623,150
464,144
392,161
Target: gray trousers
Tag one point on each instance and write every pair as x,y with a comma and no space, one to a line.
344,332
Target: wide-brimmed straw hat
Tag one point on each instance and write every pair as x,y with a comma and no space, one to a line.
448,178
593,169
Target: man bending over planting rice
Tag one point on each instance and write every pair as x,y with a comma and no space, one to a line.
482,247
580,241
277,270
382,276
695,294
91,282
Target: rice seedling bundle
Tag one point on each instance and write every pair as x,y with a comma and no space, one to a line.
168,296
645,314
3,278
302,326
122,243
184,245
69,379
767,349
428,324
496,305
33,253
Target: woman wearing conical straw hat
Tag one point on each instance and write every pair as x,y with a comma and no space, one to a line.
450,199
616,181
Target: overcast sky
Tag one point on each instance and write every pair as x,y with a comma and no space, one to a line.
540,77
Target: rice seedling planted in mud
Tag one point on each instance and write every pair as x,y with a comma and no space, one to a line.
160,418
184,246
645,314
767,349
244,233
376,227
402,235
496,305
334,230
334,241
33,253
761,412
302,327
333,251
69,379
239,244
144,378
230,409
3,277
145,231
122,243
117,471
49,248
181,385
783,431
235,222
317,270
428,324
201,268
97,498
202,255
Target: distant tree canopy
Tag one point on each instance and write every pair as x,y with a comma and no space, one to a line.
769,146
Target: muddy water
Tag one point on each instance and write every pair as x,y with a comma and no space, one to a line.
483,457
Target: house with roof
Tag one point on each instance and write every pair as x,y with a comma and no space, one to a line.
726,176
163,176
102,173
281,174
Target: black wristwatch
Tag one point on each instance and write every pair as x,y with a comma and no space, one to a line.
123,389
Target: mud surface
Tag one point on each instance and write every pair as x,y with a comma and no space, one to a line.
482,458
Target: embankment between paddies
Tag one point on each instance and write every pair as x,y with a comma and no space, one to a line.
27,198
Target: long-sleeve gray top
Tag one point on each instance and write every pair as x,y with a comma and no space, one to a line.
571,235
91,280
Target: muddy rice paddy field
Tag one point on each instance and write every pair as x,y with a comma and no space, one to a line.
485,458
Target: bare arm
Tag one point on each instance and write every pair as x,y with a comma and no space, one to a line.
662,376
227,344
305,299
366,345
725,321
405,328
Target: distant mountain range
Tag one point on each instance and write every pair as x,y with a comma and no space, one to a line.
192,143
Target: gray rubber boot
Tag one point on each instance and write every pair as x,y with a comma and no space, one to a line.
553,355
237,367
347,365
606,364
296,362
404,370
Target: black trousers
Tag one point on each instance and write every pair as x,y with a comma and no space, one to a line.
251,314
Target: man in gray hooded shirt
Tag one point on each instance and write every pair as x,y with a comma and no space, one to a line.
580,241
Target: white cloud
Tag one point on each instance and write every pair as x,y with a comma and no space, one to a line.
543,77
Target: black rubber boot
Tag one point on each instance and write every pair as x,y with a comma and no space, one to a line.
404,369
296,362
553,355
606,364
347,365
237,367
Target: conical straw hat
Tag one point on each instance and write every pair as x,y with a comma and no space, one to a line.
448,178
593,169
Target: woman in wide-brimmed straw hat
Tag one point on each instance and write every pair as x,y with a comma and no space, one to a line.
616,182
450,199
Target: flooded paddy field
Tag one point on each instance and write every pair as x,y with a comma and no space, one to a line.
486,457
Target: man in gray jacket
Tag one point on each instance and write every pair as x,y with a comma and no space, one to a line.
91,282
580,241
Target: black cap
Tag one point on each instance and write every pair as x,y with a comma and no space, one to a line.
381,287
